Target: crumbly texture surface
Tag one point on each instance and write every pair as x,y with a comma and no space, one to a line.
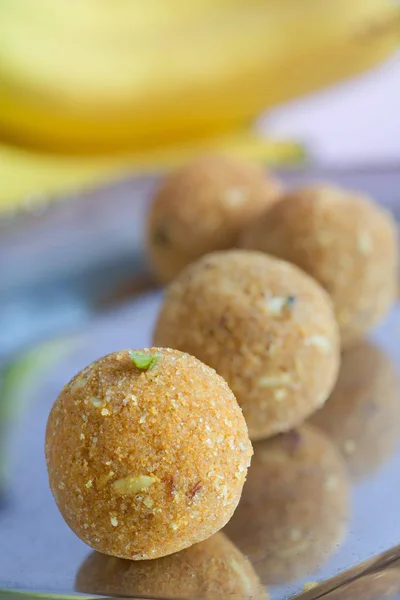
345,241
211,570
264,325
295,505
145,462
202,208
362,416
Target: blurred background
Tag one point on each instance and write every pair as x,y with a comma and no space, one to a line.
93,89
100,99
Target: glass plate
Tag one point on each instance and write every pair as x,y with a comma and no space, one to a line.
40,554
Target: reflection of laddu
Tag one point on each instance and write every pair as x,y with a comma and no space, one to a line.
295,504
213,569
362,415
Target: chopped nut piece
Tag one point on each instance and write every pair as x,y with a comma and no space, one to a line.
148,502
78,384
196,489
144,361
102,481
96,402
319,341
274,379
170,482
364,242
131,399
277,304
132,484
280,394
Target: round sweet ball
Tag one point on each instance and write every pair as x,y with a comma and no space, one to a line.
201,208
212,570
147,453
294,509
263,325
345,241
362,415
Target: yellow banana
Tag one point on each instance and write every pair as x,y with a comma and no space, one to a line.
90,90
98,77
29,178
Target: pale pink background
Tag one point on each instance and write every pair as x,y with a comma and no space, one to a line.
354,123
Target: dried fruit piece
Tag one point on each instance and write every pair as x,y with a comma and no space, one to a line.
132,484
144,361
